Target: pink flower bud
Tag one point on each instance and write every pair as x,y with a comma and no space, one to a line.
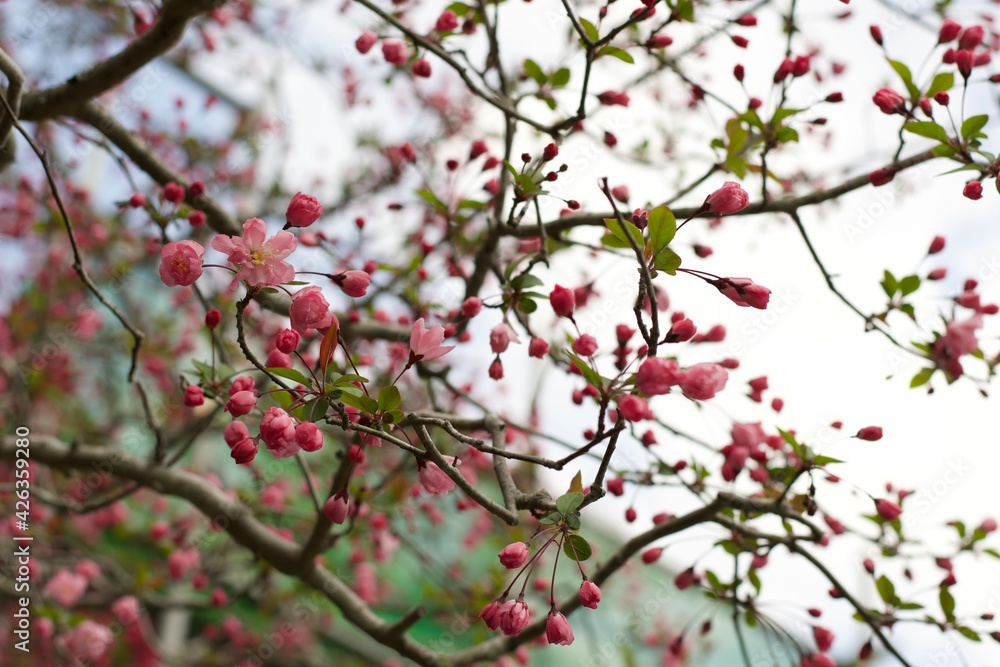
882,176
656,376
137,200
973,190
937,245
744,292
421,68
193,396
447,22
234,432
496,370
336,507
513,555
395,51
173,193
558,630
634,408
287,340
728,199
514,616
365,42
949,31
870,433
703,381
434,480
278,359
303,210
471,307
971,37
538,348
650,556
876,33
353,283
309,437
887,509
212,318
590,594
585,345
501,336
685,579
491,614
277,430
241,403
889,101
563,301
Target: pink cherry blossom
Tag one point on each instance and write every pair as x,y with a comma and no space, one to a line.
558,630
180,263
89,641
425,344
277,429
514,616
513,555
310,310
259,258
336,508
353,283
728,199
303,210
590,594
434,480
703,381
744,292
66,587
656,376
501,336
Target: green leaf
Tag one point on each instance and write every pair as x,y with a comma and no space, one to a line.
754,579
616,228
922,377
825,460
526,183
786,134
319,409
551,519
525,281
588,373
662,227
560,77
973,125
393,417
889,284
432,199
577,548
667,261
904,73
621,54
927,128
886,590
291,374
590,30
609,240
389,398
942,82
782,114
909,284
943,151
568,503
532,69
947,604
968,633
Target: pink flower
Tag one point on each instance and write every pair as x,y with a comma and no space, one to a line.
287,340
425,344
703,381
744,292
501,336
887,509
277,429
259,258
959,338
242,383
585,345
590,594
66,587
309,437
421,68
182,561
634,408
434,480
447,22
870,433
824,638
173,192
937,245
126,609
656,376
650,556
353,283
89,641
728,199
303,210
471,307
212,318
336,507
278,359
538,348
310,310
193,396
180,263
234,432
889,101
748,436
563,301
557,629
949,31
394,51
496,369
241,403
514,616
491,614
513,555
818,660
686,579
244,451
973,190
365,42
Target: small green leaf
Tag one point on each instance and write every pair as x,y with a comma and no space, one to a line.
560,77
889,284
432,199
551,519
568,503
291,374
968,633
909,284
667,261
782,114
922,377
786,134
616,228
588,373
532,69
825,460
590,30
609,240
947,604
319,409
973,125
927,128
525,281
886,590
389,398
621,54
662,227
904,73
577,548
942,82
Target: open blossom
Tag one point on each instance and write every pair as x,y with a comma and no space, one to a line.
310,310
703,381
728,199
656,376
744,292
959,338
259,258
66,587
557,629
434,480
180,263
89,641
303,210
126,609
425,344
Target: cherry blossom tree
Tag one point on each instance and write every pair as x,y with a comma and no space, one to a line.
241,389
